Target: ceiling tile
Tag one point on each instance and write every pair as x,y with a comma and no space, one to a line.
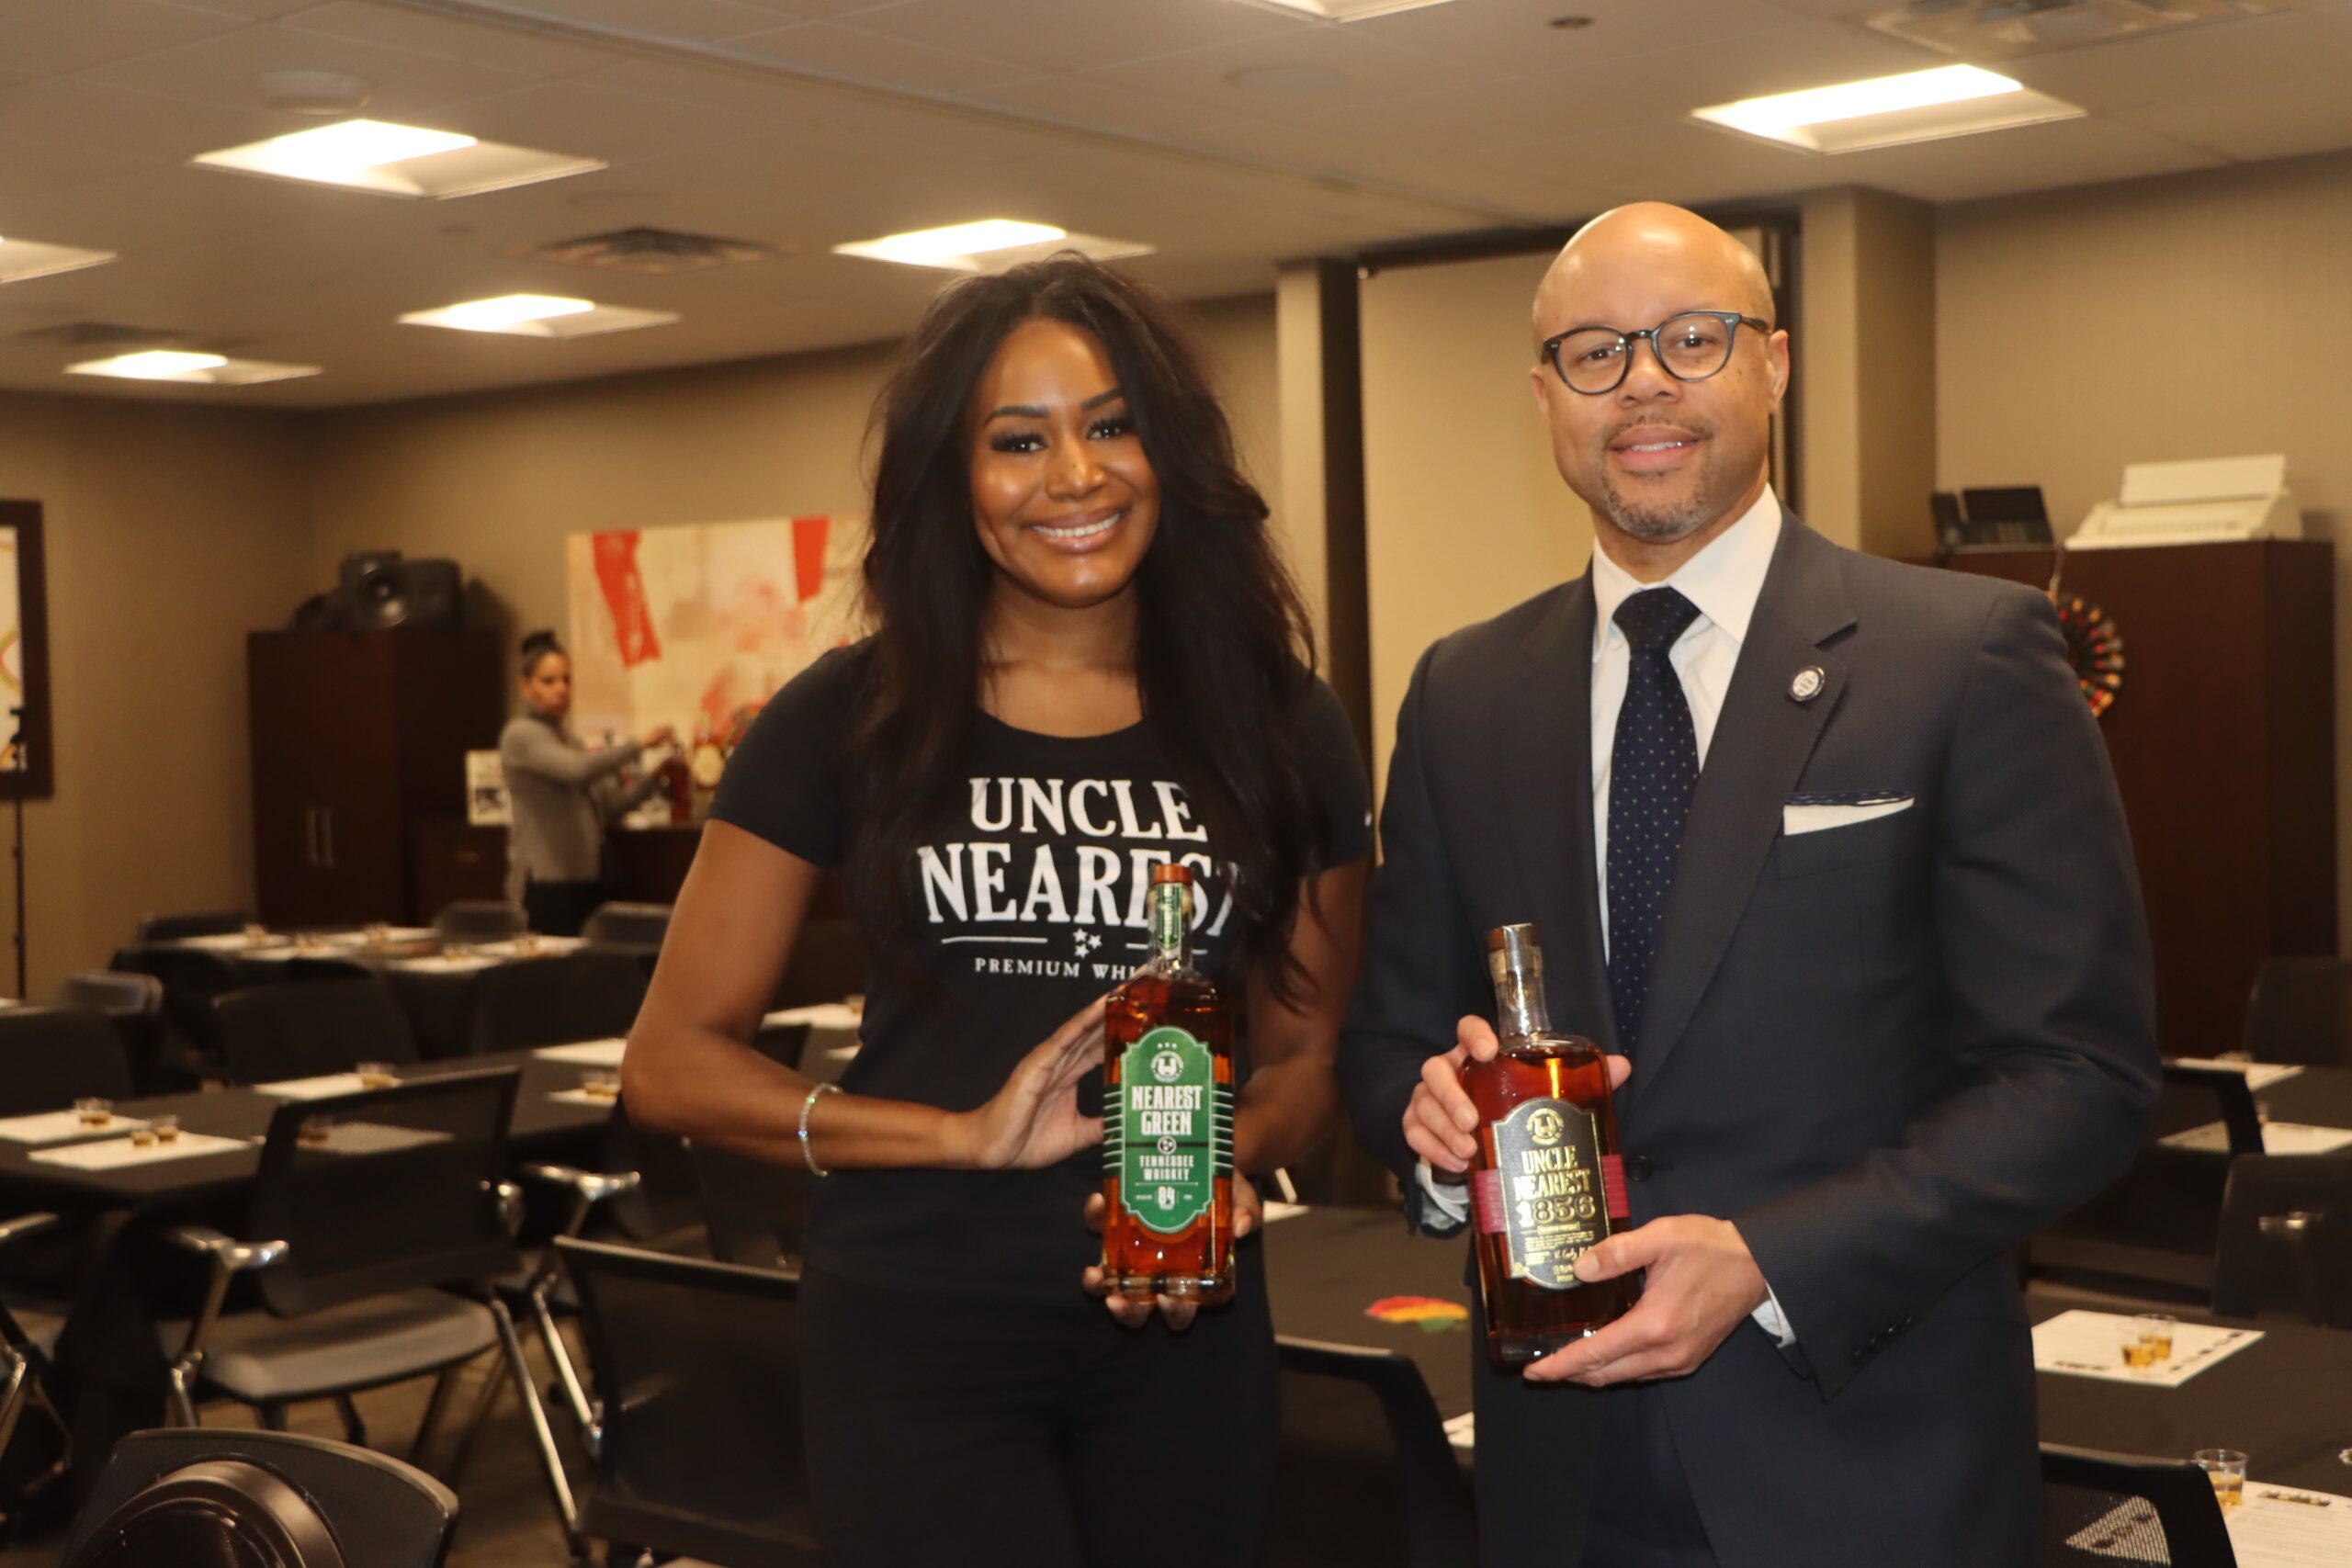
1514,37
2029,157
75,112
2223,61
44,37
1807,55
248,10
507,49
1666,160
1363,68
1079,35
699,20
221,71
1082,100
585,121
2289,118
30,168
826,47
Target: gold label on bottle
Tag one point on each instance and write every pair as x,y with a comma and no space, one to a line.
1546,1196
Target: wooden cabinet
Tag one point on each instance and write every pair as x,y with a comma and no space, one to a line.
2224,739
356,736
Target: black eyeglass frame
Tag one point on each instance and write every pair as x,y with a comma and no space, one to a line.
1550,352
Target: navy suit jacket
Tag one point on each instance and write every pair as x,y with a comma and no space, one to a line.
1889,1052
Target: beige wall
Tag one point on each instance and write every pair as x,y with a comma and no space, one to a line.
2194,316
170,533
1466,514
1864,368
496,482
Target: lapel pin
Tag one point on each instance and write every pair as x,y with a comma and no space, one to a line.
1808,683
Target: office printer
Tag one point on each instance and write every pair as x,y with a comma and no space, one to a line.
2211,500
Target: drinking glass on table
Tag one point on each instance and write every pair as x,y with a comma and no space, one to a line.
93,1112
2151,1334
601,1084
2226,1469
158,1130
377,1075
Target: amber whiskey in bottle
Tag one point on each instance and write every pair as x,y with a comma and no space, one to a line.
1547,1183
1168,1117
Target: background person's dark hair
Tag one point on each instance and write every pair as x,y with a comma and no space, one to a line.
1223,651
537,645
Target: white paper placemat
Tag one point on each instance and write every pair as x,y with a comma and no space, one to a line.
223,941
56,1126
582,1096
372,1138
2090,1344
313,1088
443,963
2278,1138
2281,1526
823,1015
585,1053
2258,1074
1275,1209
111,1154
540,947
1462,1431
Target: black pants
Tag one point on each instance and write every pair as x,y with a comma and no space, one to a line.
943,1430
560,908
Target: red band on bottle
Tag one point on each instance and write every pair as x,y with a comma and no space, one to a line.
1612,1187
1487,1201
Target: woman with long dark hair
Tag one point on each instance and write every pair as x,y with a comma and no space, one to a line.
1088,658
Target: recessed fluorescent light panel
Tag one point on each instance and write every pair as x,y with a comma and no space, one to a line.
20,259
1344,10
194,369
1888,111
990,245
537,315
396,159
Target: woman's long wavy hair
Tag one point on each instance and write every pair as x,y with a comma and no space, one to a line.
1223,651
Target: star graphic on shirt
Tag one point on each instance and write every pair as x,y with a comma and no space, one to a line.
1087,942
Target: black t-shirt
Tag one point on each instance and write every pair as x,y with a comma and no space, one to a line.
1030,905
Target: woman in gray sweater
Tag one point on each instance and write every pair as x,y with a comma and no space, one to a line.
563,795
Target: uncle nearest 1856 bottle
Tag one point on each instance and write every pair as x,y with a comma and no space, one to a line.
1168,1118
1547,1183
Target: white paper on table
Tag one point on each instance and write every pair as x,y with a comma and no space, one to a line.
443,963
114,1152
372,1138
313,1088
2091,1343
2281,1526
2258,1074
823,1015
1275,1209
56,1126
1462,1430
2278,1138
582,1096
539,947
226,941
585,1053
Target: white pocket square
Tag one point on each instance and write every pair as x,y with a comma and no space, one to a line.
1813,817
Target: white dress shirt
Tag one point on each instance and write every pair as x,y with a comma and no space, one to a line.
1724,580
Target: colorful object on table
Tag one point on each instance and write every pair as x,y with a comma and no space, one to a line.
2093,648
1433,1315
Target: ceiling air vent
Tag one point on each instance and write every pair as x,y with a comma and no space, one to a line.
2005,30
650,251
105,334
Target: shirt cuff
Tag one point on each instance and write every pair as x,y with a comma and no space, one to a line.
1449,1198
1773,1321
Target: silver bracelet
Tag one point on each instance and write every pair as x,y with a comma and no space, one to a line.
819,1171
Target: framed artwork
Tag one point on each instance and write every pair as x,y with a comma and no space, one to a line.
28,769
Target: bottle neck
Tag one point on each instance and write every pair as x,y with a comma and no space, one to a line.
1520,1006
1172,926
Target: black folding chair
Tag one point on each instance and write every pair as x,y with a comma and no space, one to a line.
2300,1010
2102,1509
52,1057
173,1498
364,1206
584,995
754,1208
197,923
699,1450
480,919
109,992
191,977
271,1033
28,1332
1365,1475
2286,1239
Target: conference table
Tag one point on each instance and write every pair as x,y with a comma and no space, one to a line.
1356,1277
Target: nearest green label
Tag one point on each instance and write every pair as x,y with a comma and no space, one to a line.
1166,1130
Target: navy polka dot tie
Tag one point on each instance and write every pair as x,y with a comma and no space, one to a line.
1652,770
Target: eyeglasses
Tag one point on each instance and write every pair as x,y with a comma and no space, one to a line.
1690,347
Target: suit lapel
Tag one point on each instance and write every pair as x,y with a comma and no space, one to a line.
1543,755
1762,737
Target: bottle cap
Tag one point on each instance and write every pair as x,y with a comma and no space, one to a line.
1171,872
1514,947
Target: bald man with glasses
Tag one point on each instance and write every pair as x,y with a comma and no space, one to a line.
1827,850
